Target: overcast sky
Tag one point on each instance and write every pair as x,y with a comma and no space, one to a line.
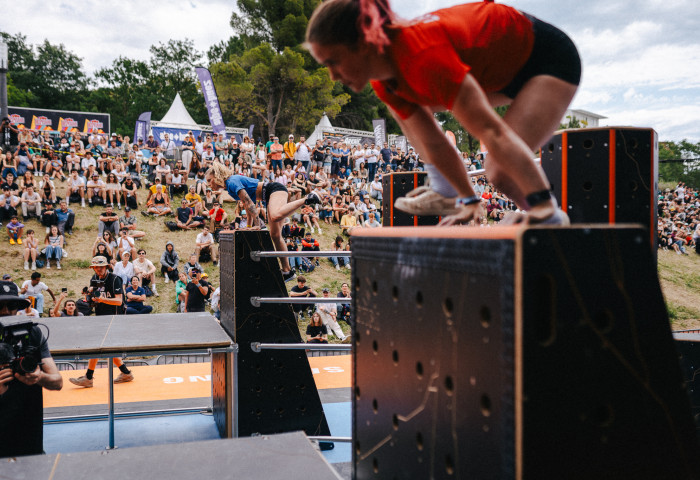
641,58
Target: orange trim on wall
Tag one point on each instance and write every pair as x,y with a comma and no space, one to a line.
611,178
565,171
391,200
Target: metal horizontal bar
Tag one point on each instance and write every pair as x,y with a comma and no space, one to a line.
257,255
257,347
331,439
150,353
145,413
257,301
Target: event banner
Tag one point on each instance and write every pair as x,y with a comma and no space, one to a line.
379,126
177,135
350,140
59,120
143,125
401,143
212,101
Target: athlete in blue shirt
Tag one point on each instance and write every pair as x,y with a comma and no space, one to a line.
274,195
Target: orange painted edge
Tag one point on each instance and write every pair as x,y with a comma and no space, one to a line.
415,185
565,171
391,200
611,179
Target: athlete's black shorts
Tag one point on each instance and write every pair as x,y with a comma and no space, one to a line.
553,53
271,188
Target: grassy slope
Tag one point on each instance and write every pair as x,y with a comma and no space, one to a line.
679,275
76,272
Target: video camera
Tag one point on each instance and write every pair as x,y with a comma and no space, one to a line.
98,288
15,347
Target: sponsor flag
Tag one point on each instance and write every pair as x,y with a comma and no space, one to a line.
250,131
379,126
211,100
143,126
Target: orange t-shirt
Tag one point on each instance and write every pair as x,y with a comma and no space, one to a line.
435,52
276,151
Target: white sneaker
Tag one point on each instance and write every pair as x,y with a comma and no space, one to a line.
320,231
312,229
167,279
26,265
58,265
48,229
82,204
337,267
428,202
155,290
33,265
48,264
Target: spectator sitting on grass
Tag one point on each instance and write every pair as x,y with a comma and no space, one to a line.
169,261
205,244
301,290
310,244
339,247
159,204
194,201
15,230
76,186
47,190
316,331
145,270
54,247
185,217
96,190
217,217
372,222
349,221
8,203
135,296
31,204
108,221
35,288
310,218
31,249
128,221
328,313
124,269
125,244
66,218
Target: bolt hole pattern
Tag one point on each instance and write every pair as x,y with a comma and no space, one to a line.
375,406
375,465
395,421
395,293
449,465
375,346
550,148
419,369
588,144
485,405
587,186
395,357
485,314
419,441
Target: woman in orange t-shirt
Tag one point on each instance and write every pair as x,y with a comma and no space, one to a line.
464,59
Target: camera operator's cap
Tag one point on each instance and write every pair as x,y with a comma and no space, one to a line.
7,276
99,261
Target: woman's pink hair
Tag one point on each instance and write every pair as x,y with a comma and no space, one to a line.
374,15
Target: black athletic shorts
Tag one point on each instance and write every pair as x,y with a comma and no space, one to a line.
271,188
553,53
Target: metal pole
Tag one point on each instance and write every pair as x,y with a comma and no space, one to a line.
257,347
257,255
111,402
257,301
330,439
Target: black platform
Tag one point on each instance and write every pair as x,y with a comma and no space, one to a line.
286,456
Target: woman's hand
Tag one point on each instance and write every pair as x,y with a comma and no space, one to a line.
465,214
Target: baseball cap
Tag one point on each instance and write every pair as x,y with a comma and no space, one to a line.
325,290
127,209
7,276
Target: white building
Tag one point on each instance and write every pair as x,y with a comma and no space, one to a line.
586,118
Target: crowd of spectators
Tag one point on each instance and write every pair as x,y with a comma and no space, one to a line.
679,219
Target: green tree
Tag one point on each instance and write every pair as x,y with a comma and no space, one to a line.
274,90
572,122
281,24
16,96
671,169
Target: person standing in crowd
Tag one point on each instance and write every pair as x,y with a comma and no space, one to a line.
106,292
197,291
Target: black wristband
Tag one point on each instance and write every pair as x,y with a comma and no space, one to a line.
538,197
467,200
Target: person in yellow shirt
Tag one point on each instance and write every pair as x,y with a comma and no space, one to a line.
290,148
194,200
348,221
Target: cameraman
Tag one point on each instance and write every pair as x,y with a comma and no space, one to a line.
21,403
106,293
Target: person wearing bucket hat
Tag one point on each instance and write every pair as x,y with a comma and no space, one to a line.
21,406
106,293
